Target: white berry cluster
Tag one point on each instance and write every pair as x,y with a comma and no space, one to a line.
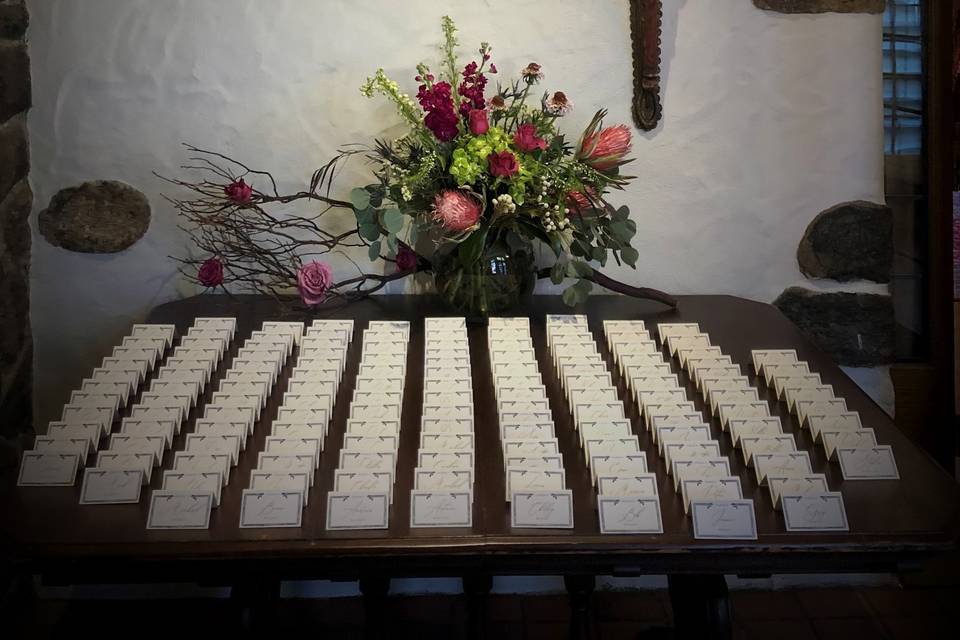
504,204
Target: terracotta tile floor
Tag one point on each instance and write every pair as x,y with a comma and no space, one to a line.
804,614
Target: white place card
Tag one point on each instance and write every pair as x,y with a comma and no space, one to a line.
527,431
548,461
849,421
179,509
441,508
121,460
671,411
761,357
816,393
268,509
710,489
75,414
165,331
363,481
90,430
781,464
195,481
731,396
751,445
447,442
185,462
124,443
449,480
300,445
617,465
374,427
797,485
48,469
286,463
542,509
740,410
534,447
526,479
638,484
80,446
381,411
740,427
686,450
629,514
171,386
446,425
814,512
362,442
214,444
297,430
859,439
165,429
807,408
368,460
444,460
873,463
513,418
699,468
723,520
276,481
771,373
120,390
230,415
357,510
204,427
668,434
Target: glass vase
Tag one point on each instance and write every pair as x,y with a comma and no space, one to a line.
500,280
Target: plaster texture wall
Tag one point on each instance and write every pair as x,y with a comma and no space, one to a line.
769,119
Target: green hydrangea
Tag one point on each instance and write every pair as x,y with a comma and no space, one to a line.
464,168
470,160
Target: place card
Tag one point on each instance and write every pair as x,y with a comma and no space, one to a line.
384,412
215,444
692,419
760,357
446,425
363,481
660,397
543,446
120,390
125,443
179,509
299,445
228,401
441,508
80,446
723,520
357,510
204,427
527,479
286,463
753,444
669,433
448,480
120,364
740,427
740,410
542,509
795,485
444,460
374,427
363,442
447,442
872,463
781,464
596,430
130,377
712,489
807,408
814,512
698,468
655,411
849,421
712,368
185,462
690,451
48,469
519,418
596,411
543,461
127,460
368,460
612,446
620,486
731,397
165,331
854,439
784,371
816,393
229,415
170,386
527,431
111,486
195,481
260,509
617,465
90,430
75,414
629,514
153,399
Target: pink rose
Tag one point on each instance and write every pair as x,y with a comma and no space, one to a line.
526,138
239,191
406,258
313,280
211,272
478,122
503,164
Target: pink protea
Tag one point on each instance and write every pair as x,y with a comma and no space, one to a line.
607,148
455,210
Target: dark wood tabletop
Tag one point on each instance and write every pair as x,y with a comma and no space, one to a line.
892,523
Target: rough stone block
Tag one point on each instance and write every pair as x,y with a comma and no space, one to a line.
14,153
822,6
857,329
14,79
853,240
105,216
13,20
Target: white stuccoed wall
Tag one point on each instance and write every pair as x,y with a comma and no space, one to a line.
769,119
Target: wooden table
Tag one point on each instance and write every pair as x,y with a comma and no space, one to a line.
893,524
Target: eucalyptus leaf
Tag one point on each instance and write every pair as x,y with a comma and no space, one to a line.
599,254
392,243
558,273
620,214
579,269
369,232
359,198
366,216
392,220
373,251
570,296
630,255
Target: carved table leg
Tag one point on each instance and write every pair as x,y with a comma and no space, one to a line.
256,604
701,608
374,590
580,589
476,587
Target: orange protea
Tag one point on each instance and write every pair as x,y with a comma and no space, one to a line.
606,148
455,210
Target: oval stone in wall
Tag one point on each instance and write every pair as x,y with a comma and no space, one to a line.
850,241
104,216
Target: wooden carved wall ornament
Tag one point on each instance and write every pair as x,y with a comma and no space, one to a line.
646,17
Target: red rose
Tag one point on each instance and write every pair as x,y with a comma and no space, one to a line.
239,191
478,122
211,272
406,258
503,164
526,138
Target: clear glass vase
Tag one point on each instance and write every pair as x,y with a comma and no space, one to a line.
499,281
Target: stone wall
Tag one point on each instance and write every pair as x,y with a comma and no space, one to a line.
16,200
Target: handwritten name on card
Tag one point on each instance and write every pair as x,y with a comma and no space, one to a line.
206,481
635,514
814,512
873,463
723,520
542,509
179,510
441,509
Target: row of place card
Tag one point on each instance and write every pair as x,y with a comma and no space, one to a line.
89,417
367,467
627,497
280,484
442,494
535,480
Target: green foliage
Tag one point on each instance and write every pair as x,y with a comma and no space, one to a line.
373,251
359,198
471,249
577,293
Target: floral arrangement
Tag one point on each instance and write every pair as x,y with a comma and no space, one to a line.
480,175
